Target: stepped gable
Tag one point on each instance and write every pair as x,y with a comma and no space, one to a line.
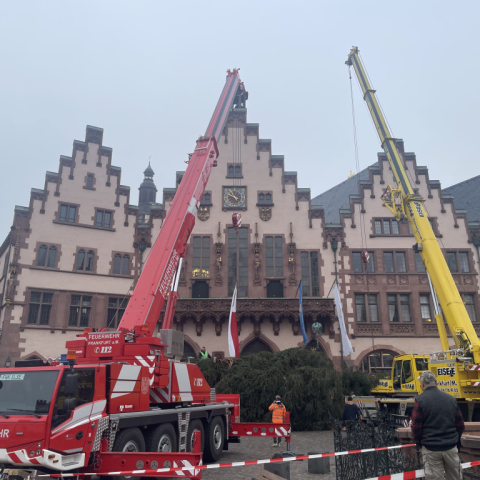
338,197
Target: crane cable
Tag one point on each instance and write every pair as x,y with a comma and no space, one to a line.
362,214
357,162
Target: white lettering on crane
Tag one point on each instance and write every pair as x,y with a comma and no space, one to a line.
4,433
169,272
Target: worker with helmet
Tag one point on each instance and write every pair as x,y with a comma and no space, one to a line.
278,416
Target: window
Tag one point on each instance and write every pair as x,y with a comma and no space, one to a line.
103,218
116,309
470,306
425,307
274,289
392,308
464,266
265,198
90,180
405,308
361,310
378,363
201,257
83,395
358,264
400,260
68,213
309,266
234,170
388,262
238,261
373,308
419,263
200,289
121,264
274,257
85,260
80,306
386,227
206,199
47,256
452,261
39,308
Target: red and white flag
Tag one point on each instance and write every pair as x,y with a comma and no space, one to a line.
233,347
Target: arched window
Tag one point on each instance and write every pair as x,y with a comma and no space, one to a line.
261,198
89,264
42,256
255,346
143,197
312,345
188,351
151,196
52,257
90,180
117,260
231,171
126,265
268,198
238,170
81,260
378,362
207,199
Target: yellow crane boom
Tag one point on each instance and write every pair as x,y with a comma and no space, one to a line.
404,203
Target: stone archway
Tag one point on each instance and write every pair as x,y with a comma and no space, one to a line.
271,346
376,348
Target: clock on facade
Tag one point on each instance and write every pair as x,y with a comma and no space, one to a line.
234,197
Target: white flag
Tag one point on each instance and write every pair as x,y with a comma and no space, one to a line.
233,346
347,346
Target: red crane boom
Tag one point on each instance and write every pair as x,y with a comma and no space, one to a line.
154,283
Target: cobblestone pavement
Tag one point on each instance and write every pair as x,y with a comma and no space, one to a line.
260,448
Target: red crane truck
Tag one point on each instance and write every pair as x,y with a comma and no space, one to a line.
123,403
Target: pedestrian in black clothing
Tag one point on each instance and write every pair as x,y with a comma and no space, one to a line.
350,411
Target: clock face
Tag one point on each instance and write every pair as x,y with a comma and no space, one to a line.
234,197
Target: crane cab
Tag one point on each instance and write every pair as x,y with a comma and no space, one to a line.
403,376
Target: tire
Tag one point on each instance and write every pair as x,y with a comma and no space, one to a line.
195,425
214,439
163,439
128,440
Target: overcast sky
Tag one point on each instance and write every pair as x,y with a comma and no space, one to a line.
150,73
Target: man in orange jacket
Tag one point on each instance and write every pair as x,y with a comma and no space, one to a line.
278,416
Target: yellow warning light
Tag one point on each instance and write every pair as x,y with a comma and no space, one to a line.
71,355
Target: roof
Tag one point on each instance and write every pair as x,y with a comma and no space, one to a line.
466,196
338,197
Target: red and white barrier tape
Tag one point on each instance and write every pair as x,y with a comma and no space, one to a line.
417,473
235,464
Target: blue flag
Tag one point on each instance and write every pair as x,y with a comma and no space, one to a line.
304,333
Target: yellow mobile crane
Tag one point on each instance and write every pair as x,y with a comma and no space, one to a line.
457,370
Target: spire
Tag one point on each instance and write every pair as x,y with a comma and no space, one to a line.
148,190
149,173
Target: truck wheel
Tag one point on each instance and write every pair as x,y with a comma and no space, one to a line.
128,440
214,438
195,425
162,439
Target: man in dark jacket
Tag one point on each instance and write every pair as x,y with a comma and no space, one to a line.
350,411
437,427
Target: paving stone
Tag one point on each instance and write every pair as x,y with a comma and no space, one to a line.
260,448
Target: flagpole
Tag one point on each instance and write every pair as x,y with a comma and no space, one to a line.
334,245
